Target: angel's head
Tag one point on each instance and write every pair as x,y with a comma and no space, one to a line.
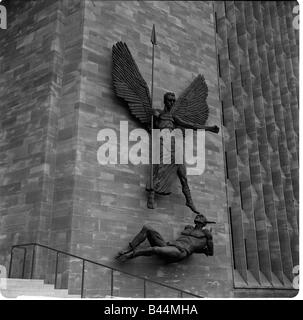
169,100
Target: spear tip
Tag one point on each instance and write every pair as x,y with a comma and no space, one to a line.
153,36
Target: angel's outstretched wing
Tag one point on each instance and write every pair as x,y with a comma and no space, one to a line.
129,84
191,106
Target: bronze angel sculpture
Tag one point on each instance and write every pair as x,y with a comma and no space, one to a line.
190,110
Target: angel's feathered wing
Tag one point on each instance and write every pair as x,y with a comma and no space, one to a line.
129,84
191,106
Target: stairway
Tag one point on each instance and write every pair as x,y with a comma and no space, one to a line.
18,288
37,288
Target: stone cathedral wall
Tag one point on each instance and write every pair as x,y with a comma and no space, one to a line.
57,94
110,201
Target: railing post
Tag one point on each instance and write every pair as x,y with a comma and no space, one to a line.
56,270
82,282
33,261
11,262
24,260
144,284
181,294
112,283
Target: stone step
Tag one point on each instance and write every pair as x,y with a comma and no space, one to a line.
32,292
25,282
54,295
29,286
34,288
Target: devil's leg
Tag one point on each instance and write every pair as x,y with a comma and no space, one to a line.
147,232
168,253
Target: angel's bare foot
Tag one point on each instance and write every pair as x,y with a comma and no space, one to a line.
192,207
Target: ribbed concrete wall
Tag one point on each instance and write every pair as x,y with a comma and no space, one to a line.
258,70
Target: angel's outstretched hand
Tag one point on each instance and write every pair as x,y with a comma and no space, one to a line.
214,129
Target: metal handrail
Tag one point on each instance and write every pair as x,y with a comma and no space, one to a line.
84,260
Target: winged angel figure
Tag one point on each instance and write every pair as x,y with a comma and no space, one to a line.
189,111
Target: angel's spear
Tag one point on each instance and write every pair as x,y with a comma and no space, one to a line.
151,199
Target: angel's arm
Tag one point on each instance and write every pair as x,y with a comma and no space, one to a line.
191,125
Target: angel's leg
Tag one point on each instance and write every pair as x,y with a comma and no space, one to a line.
185,188
162,177
151,199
